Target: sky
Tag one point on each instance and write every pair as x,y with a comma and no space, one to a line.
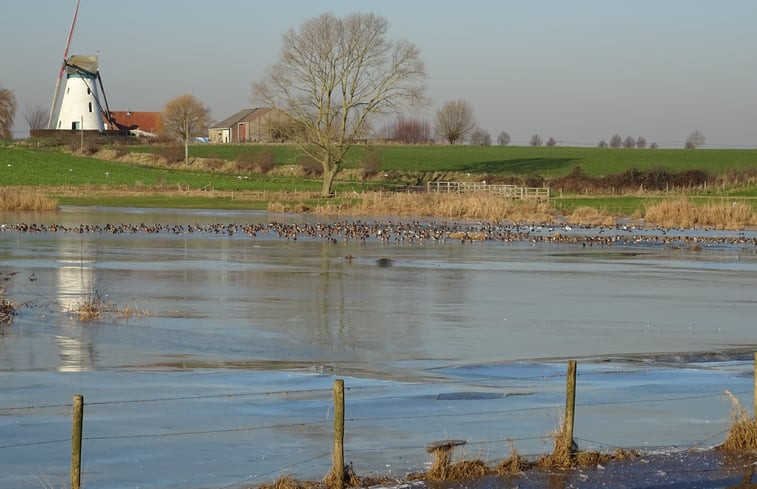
578,71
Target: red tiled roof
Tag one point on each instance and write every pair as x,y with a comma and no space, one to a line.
145,121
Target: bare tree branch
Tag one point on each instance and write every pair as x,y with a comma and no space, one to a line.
36,117
333,76
455,120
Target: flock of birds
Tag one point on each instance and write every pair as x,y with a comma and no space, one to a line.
410,232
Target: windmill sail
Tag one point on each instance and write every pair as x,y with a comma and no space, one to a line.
62,67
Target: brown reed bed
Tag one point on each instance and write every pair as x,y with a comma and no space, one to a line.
454,206
683,212
26,201
742,434
589,216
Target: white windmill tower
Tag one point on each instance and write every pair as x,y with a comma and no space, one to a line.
82,106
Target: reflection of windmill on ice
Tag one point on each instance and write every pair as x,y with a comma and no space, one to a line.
80,108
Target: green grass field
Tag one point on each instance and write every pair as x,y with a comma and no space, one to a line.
511,160
25,166
29,167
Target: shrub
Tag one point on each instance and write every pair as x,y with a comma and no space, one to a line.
311,167
534,180
264,161
371,164
214,163
171,153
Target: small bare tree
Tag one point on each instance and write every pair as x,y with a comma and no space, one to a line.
535,140
36,117
641,143
480,137
695,139
455,120
629,142
408,131
503,138
7,112
602,144
333,76
616,141
186,117
551,142
653,146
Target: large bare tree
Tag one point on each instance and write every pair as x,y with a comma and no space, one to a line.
455,119
36,117
186,117
333,75
7,112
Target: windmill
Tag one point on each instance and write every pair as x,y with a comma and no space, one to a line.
81,108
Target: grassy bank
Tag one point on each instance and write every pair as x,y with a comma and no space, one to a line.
512,160
221,182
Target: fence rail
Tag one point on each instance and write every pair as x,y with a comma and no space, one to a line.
511,191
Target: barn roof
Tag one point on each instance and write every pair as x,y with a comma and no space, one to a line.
127,120
246,114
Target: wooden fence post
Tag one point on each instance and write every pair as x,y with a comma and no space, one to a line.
755,386
570,403
338,469
76,432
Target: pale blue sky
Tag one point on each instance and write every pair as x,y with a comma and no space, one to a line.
578,71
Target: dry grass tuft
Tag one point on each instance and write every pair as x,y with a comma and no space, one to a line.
466,469
26,201
514,464
440,464
592,459
742,435
589,216
7,311
349,478
458,206
287,482
562,453
683,212
94,308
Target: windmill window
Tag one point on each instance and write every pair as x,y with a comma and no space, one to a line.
88,92
90,106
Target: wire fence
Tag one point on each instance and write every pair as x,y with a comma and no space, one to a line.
246,438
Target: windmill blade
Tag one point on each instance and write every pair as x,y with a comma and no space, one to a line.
63,66
102,89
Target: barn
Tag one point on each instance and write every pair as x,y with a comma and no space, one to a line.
248,125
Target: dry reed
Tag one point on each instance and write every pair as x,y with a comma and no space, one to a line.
742,434
589,216
287,482
514,464
684,213
458,206
562,451
94,308
26,201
